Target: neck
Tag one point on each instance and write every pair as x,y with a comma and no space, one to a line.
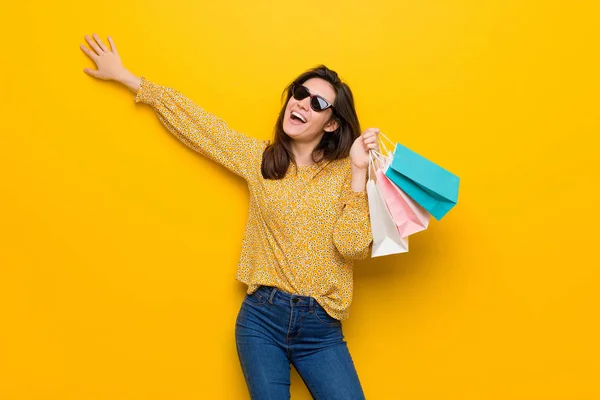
303,151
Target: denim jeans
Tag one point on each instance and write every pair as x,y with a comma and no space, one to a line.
275,329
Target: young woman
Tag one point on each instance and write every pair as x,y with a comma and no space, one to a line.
308,220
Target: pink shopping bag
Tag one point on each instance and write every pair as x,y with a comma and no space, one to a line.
408,216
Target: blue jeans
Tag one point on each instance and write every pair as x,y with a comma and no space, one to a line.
275,329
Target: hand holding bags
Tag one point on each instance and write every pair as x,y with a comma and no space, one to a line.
406,190
386,239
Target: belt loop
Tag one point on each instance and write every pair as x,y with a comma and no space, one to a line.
272,294
311,304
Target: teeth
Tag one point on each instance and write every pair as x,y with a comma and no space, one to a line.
299,116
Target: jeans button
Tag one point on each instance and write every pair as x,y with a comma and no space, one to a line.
295,299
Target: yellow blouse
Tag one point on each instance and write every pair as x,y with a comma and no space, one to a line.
303,231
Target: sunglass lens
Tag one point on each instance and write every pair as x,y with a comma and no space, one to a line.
318,104
300,92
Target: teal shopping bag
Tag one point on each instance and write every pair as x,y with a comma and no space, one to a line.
431,186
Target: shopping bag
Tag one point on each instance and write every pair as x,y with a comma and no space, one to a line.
408,216
386,239
431,186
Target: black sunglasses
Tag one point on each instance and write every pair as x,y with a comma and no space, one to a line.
317,102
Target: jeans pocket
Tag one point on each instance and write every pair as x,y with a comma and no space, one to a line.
256,298
324,317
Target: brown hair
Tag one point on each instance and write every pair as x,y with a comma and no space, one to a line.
333,145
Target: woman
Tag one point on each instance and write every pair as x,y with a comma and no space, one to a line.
308,221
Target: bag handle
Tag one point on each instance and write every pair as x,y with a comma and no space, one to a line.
379,156
383,143
375,156
371,162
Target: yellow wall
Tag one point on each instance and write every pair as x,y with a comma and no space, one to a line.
118,245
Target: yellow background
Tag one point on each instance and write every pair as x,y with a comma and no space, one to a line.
118,245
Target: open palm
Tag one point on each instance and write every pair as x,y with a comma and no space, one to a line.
108,62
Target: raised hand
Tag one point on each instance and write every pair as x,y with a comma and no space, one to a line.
359,153
108,62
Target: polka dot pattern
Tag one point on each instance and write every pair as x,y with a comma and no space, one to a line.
303,231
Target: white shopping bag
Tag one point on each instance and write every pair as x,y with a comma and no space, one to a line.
386,238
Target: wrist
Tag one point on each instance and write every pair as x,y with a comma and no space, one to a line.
358,169
359,178
128,79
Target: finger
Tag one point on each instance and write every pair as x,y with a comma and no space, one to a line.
371,141
91,72
94,45
371,138
371,132
87,51
112,45
100,43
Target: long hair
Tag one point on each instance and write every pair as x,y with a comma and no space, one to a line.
333,145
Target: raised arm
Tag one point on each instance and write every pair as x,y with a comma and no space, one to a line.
191,124
202,131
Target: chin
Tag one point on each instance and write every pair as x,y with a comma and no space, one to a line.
293,130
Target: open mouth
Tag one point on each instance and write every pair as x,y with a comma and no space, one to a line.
297,118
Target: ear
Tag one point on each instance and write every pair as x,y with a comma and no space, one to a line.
331,125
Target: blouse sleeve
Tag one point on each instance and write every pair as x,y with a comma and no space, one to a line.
200,130
352,234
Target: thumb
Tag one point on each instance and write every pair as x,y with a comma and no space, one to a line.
91,72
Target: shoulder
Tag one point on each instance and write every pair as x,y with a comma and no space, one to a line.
342,168
341,165
256,147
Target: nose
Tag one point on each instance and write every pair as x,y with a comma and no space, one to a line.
304,103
